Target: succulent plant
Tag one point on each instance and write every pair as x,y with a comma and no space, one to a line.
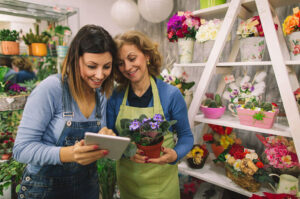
213,103
9,35
265,106
30,37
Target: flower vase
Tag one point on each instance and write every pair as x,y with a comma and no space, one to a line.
294,45
252,49
186,50
152,151
188,98
217,149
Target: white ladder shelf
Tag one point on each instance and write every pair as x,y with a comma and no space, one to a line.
284,74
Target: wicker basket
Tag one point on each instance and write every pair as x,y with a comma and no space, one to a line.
246,181
193,165
10,103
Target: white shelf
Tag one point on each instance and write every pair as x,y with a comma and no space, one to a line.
219,11
261,63
231,121
216,175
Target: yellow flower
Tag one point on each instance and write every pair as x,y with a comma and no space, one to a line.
225,141
287,159
237,165
197,151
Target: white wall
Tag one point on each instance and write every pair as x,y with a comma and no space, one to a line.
90,12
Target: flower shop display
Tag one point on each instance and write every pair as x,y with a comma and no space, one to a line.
291,28
280,155
177,77
210,3
147,133
12,96
182,27
197,156
244,167
212,107
6,145
244,90
252,43
9,44
63,33
206,35
220,138
257,114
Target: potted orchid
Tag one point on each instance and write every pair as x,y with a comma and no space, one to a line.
177,77
147,134
182,27
291,27
252,44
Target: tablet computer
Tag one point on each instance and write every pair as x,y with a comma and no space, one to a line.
116,145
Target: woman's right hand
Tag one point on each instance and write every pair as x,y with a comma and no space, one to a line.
86,154
139,157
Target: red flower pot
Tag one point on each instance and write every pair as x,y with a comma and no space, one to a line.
152,151
217,149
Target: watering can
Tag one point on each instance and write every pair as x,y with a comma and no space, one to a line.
287,184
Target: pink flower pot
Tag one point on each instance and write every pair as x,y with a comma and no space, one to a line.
212,113
246,118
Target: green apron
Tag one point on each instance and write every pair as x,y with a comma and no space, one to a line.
145,181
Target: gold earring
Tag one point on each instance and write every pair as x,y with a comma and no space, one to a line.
148,62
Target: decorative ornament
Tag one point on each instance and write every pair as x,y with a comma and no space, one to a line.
125,13
155,11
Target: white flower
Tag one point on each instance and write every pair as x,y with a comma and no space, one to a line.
164,73
237,165
208,30
226,95
177,72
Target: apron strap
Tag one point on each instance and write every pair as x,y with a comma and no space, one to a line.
67,100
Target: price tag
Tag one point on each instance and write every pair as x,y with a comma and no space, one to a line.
229,78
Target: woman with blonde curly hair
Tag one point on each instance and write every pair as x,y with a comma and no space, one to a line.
24,69
140,92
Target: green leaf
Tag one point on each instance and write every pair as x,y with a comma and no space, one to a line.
130,150
125,123
143,116
187,85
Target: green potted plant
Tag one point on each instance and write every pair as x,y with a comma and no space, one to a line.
62,32
39,43
147,133
9,44
28,38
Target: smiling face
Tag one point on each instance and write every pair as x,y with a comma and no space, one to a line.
95,68
133,63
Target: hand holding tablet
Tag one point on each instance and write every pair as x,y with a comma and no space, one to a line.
116,145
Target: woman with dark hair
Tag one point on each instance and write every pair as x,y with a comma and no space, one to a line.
140,92
23,67
58,113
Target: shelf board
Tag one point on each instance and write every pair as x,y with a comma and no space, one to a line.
219,11
216,175
231,121
29,56
260,63
35,11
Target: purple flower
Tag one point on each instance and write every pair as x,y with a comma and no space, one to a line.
145,120
158,118
234,93
175,22
17,88
153,125
134,125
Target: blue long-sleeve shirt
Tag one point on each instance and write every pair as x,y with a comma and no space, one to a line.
174,108
42,124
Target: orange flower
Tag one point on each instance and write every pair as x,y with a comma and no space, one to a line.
289,24
259,164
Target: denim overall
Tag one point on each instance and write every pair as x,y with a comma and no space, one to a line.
69,180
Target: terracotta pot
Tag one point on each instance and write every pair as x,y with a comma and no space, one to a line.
152,151
39,49
29,49
5,156
217,149
10,48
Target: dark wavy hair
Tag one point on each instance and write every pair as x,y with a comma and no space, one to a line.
89,39
144,44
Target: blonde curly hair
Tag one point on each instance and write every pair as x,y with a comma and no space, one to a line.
146,46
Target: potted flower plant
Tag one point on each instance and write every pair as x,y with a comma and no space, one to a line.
6,144
39,43
244,167
280,155
291,27
147,133
197,156
220,138
63,33
258,114
206,35
9,44
212,107
252,43
177,77
182,27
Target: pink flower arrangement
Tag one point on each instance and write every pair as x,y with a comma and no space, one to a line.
280,154
182,25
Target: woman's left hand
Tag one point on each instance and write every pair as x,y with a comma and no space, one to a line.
169,156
